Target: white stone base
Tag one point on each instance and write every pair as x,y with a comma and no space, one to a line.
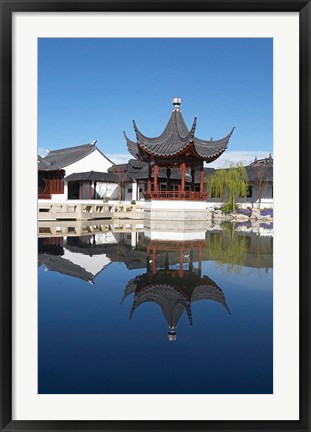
175,210
175,235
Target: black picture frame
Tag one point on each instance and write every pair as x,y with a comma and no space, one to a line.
8,7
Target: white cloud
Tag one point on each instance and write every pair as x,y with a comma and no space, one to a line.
119,158
42,151
246,157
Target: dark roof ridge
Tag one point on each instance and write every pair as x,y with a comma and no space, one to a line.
71,148
94,176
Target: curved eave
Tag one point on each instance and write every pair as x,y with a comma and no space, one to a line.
132,147
211,158
209,293
154,152
147,152
211,150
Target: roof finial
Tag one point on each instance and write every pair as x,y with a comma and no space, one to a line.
176,102
171,334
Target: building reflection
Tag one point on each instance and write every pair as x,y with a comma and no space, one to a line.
86,256
173,280
82,257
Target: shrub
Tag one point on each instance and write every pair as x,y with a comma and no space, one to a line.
227,208
133,202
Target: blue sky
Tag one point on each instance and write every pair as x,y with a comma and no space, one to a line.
93,88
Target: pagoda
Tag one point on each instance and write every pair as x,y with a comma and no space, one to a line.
176,148
174,289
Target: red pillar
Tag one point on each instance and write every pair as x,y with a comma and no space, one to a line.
201,179
192,179
200,258
81,190
183,172
90,190
155,175
154,261
181,262
149,177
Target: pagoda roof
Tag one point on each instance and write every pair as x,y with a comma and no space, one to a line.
173,294
174,140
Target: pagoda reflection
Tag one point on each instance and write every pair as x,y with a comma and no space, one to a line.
174,281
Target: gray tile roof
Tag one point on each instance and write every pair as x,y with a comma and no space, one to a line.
254,172
64,266
172,294
260,169
260,172
57,159
93,176
174,139
42,165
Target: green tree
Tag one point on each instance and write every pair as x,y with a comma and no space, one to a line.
233,180
228,248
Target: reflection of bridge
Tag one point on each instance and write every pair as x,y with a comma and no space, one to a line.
174,290
82,228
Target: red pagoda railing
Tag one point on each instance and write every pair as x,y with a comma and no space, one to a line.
176,195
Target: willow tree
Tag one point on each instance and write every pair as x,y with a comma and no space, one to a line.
232,180
228,248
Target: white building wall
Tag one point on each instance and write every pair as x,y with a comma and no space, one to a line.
57,198
134,191
108,190
92,162
92,264
103,190
95,161
128,196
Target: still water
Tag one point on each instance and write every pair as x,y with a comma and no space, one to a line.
128,310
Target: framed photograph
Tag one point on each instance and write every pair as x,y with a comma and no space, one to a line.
155,215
